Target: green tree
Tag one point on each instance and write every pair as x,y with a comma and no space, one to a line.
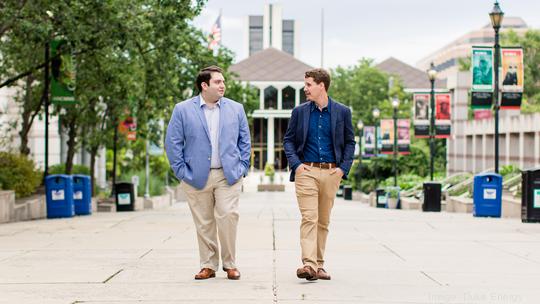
363,87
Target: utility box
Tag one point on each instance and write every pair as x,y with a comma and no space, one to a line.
59,188
432,197
487,195
530,196
381,198
82,194
347,193
125,196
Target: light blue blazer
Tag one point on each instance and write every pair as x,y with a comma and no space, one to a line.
188,142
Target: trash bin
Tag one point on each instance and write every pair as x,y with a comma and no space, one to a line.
339,192
487,195
82,194
125,196
432,197
347,193
530,196
59,195
381,198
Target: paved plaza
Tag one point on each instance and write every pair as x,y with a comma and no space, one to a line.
374,256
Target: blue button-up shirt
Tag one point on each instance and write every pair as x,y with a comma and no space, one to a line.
319,147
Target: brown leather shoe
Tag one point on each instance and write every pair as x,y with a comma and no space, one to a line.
322,274
232,274
306,272
205,273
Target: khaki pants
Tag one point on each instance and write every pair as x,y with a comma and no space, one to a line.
315,191
215,213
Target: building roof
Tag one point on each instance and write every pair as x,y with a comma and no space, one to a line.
270,64
412,77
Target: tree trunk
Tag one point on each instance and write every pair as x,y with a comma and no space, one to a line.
93,154
26,114
71,143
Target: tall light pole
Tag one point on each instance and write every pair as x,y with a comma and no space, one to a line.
432,74
395,105
46,84
360,126
496,17
376,113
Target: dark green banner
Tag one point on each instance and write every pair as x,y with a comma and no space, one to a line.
63,73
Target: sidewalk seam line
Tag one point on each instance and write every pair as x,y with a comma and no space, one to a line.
112,276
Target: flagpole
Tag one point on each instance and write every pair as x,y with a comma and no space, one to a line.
221,27
322,38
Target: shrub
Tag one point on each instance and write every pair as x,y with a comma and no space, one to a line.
19,173
269,171
61,169
157,184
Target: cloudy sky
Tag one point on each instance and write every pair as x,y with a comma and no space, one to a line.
408,30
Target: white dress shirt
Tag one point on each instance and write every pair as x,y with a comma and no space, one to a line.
212,121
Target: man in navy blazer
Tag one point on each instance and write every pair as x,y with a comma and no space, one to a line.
319,144
209,149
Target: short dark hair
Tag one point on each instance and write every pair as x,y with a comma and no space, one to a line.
319,75
205,75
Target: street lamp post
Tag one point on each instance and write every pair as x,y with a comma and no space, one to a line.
496,17
376,113
432,74
46,77
360,126
395,105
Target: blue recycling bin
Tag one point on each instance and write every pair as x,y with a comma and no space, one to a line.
487,195
82,194
59,188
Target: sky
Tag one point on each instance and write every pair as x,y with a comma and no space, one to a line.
355,29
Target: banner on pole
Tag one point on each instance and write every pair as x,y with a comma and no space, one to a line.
63,73
128,127
370,141
482,69
387,136
511,78
404,137
482,77
421,115
442,115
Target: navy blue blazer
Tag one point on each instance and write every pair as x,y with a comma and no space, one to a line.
342,136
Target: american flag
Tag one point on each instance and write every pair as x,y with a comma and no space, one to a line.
215,34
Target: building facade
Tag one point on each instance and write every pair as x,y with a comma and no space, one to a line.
271,30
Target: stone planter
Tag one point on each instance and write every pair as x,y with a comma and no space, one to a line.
361,197
410,203
7,200
459,204
157,202
511,207
271,187
372,199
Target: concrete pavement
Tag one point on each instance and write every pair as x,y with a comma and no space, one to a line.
373,255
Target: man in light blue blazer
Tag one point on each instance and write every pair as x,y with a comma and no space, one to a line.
209,148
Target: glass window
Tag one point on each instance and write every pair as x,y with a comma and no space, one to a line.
288,95
270,98
287,38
